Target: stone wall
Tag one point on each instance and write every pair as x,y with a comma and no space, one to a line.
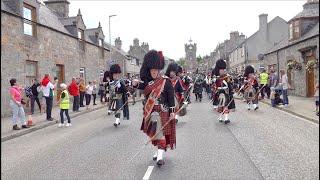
48,48
298,78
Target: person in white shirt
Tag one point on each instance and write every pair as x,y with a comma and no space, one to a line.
89,90
48,92
285,86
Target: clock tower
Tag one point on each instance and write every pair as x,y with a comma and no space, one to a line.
191,49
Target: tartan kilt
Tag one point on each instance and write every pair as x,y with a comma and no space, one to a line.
169,131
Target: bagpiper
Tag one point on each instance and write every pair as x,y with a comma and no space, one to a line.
159,106
187,81
106,81
117,92
171,72
223,88
250,88
186,87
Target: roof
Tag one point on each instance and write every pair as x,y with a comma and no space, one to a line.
285,42
48,18
6,8
310,9
68,21
122,52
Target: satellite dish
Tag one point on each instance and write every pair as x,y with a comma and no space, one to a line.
260,57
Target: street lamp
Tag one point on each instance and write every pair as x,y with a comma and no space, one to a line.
110,38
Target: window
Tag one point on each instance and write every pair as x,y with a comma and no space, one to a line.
242,51
100,42
29,15
31,71
291,31
81,39
82,73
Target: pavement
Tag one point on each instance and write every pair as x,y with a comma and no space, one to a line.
263,144
300,106
39,120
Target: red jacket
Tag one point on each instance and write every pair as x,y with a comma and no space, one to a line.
74,89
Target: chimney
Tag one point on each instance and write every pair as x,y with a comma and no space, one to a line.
136,42
263,26
59,7
145,46
118,43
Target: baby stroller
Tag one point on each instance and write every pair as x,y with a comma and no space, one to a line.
276,98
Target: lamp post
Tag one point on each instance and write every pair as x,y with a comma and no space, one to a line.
110,38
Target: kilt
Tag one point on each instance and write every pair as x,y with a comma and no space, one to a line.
169,131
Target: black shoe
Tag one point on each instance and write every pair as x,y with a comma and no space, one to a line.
221,120
227,121
25,126
82,106
160,162
256,108
176,121
154,158
50,119
115,124
95,104
15,127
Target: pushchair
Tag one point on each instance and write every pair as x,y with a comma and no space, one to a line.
277,98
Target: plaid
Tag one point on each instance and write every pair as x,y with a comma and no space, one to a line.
169,130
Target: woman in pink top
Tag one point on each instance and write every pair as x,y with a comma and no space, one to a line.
16,105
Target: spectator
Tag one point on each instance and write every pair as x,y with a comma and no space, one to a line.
16,103
88,94
316,95
35,88
74,91
82,88
285,86
64,102
264,83
48,93
102,90
94,92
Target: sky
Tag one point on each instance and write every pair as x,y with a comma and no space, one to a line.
168,25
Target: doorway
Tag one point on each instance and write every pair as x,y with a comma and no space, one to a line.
310,79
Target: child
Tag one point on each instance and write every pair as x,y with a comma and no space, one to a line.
64,102
316,95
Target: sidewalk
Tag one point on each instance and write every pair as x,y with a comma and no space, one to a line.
300,106
39,120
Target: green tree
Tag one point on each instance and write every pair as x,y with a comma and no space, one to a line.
199,60
182,62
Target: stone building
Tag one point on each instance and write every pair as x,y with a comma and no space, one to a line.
299,49
257,44
39,38
138,51
191,54
224,49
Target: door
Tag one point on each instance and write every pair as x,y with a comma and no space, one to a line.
60,76
310,79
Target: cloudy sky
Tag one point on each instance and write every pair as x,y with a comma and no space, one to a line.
168,25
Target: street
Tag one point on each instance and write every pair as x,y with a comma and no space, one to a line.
263,144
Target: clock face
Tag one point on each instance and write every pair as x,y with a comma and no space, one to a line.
190,47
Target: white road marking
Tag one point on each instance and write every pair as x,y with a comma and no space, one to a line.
148,173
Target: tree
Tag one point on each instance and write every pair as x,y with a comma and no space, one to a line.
199,60
182,62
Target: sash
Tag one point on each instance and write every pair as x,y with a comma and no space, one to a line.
157,87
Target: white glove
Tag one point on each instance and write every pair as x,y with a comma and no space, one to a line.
119,85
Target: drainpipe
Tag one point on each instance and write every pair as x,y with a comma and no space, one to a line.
278,63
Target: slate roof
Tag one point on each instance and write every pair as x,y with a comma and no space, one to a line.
285,42
68,21
309,10
6,8
48,18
